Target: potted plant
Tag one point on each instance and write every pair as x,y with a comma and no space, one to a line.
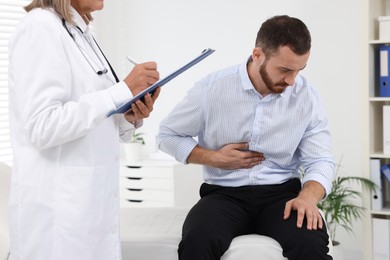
134,149
341,207
137,138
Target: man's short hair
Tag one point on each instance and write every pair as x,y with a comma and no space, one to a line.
283,30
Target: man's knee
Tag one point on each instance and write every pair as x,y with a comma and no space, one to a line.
307,245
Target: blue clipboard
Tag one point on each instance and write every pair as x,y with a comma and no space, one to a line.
125,107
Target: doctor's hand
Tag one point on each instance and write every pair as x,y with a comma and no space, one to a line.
229,157
140,110
142,76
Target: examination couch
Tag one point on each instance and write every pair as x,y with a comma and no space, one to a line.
152,233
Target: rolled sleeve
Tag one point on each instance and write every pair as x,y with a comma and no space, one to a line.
321,171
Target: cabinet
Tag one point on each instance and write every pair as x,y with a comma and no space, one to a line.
373,115
153,183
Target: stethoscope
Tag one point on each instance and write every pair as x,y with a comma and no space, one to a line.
103,70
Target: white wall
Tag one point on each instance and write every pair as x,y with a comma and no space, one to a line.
173,31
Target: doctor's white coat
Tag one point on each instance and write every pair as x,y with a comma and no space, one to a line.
64,201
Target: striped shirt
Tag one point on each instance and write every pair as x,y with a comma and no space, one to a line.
290,129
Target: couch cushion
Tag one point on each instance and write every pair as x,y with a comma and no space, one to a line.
249,247
154,233
151,233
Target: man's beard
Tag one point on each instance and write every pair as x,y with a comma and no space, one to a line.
276,88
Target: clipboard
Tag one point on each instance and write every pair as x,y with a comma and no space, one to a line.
125,107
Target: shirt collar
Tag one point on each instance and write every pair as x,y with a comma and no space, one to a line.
244,76
247,83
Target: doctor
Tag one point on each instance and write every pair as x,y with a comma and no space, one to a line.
64,201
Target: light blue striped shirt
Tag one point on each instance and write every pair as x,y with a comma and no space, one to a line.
290,129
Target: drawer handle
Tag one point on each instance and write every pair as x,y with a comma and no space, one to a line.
134,178
132,189
136,201
133,167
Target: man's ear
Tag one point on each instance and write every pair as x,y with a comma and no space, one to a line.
258,55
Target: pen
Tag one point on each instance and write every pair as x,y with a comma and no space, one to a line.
132,60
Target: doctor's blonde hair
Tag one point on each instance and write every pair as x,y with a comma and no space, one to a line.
61,7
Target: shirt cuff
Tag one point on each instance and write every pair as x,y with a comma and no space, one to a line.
120,93
325,182
138,123
184,149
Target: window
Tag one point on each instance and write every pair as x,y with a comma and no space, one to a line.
11,12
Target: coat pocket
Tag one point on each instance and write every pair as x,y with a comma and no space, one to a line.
81,194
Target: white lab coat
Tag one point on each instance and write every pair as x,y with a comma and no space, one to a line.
64,201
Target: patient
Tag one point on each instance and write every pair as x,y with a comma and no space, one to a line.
256,124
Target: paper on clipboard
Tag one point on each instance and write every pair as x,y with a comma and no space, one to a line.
125,107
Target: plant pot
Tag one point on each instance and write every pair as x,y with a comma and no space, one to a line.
133,152
338,251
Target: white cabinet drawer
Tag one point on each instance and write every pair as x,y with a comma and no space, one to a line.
146,183
147,171
159,184
146,194
145,203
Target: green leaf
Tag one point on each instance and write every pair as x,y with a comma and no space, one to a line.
340,206
137,138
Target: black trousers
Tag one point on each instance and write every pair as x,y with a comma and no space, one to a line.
223,213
